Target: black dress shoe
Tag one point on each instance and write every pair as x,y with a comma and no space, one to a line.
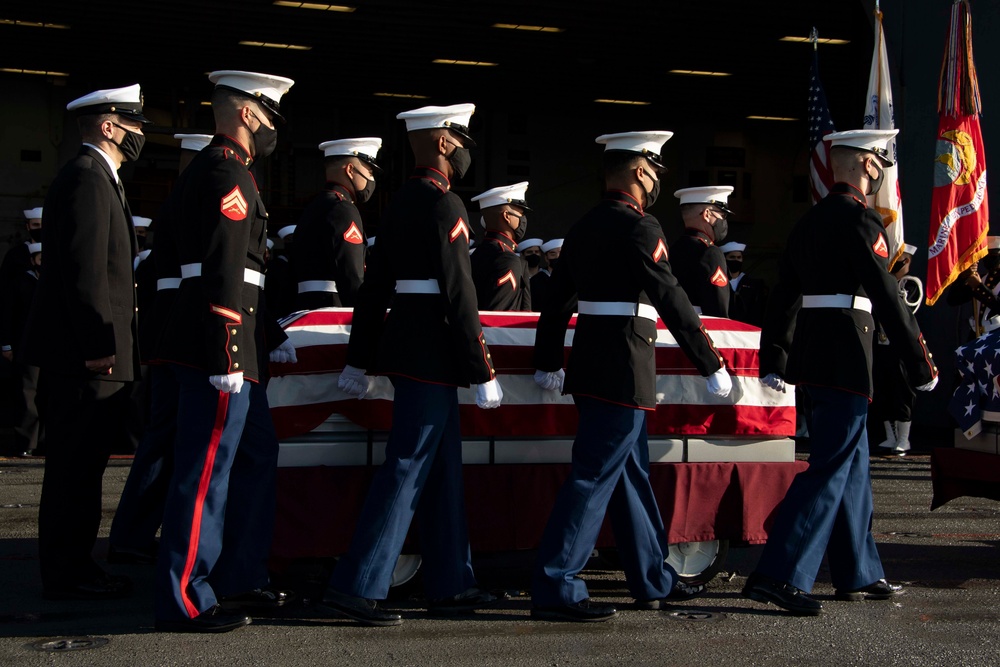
362,610
464,603
761,588
213,619
106,587
584,611
132,556
880,590
260,598
679,593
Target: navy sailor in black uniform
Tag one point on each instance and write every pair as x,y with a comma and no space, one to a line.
825,347
429,344
499,273
329,250
226,450
615,261
81,333
698,263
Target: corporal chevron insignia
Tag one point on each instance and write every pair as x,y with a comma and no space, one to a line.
508,278
354,235
460,229
660,252
719,278
234,205
880,247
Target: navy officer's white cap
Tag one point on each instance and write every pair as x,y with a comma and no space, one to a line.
529,243
909,249
194,142
33,213
716,195
732,246
455,118
265,88
648,144
270,244
870,141
34,247
552,245
993,242
139,221
126,102
505,194
285,231
363,148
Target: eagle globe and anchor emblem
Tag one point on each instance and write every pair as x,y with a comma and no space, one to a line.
955,160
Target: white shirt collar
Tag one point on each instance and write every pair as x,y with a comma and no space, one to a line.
735,282
107,158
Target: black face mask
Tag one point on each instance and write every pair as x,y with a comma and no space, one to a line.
534,261
461,160
652,194
734,265
522,228
720,230
131,144
140,242
875,184
552,263
264,141
365,193
36,235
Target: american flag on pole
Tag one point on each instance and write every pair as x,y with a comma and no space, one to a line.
820,125
303,395
960,216
879,116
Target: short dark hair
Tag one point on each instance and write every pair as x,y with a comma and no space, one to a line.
616,162
89,123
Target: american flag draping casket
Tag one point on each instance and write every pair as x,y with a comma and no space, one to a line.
304,395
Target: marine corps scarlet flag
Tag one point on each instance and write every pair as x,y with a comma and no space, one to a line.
959,205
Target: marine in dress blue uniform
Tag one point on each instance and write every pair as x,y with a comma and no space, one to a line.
698,263
140,509
614,271
214,340
329,250
430,343
88,285
499,274
818,334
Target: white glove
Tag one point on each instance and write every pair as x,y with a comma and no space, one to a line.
284,353
550,381
489,394
354,382
719,383
773,381
227,384
930,385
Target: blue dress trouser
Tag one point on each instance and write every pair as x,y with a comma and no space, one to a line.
225,455
422,471
140,509
828,508
609,475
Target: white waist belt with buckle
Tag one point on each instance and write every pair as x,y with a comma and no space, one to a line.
167,283
249,275
623,308
836,301
429,286
317,286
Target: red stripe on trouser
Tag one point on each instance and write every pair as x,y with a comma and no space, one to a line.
199,501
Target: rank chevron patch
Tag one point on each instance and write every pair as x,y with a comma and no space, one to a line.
660,252
234,205
353,235
508,278
719,278
460,229
880,248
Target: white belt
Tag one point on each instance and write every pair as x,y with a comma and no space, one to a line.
317,286
168,283
249,275
643,310
429,286
836,301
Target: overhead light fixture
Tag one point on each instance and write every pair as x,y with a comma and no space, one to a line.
635,103
808,40
14,70
471,63
276,45
527,28
344,9
786,118
408,96
695,72
33,24
205,103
